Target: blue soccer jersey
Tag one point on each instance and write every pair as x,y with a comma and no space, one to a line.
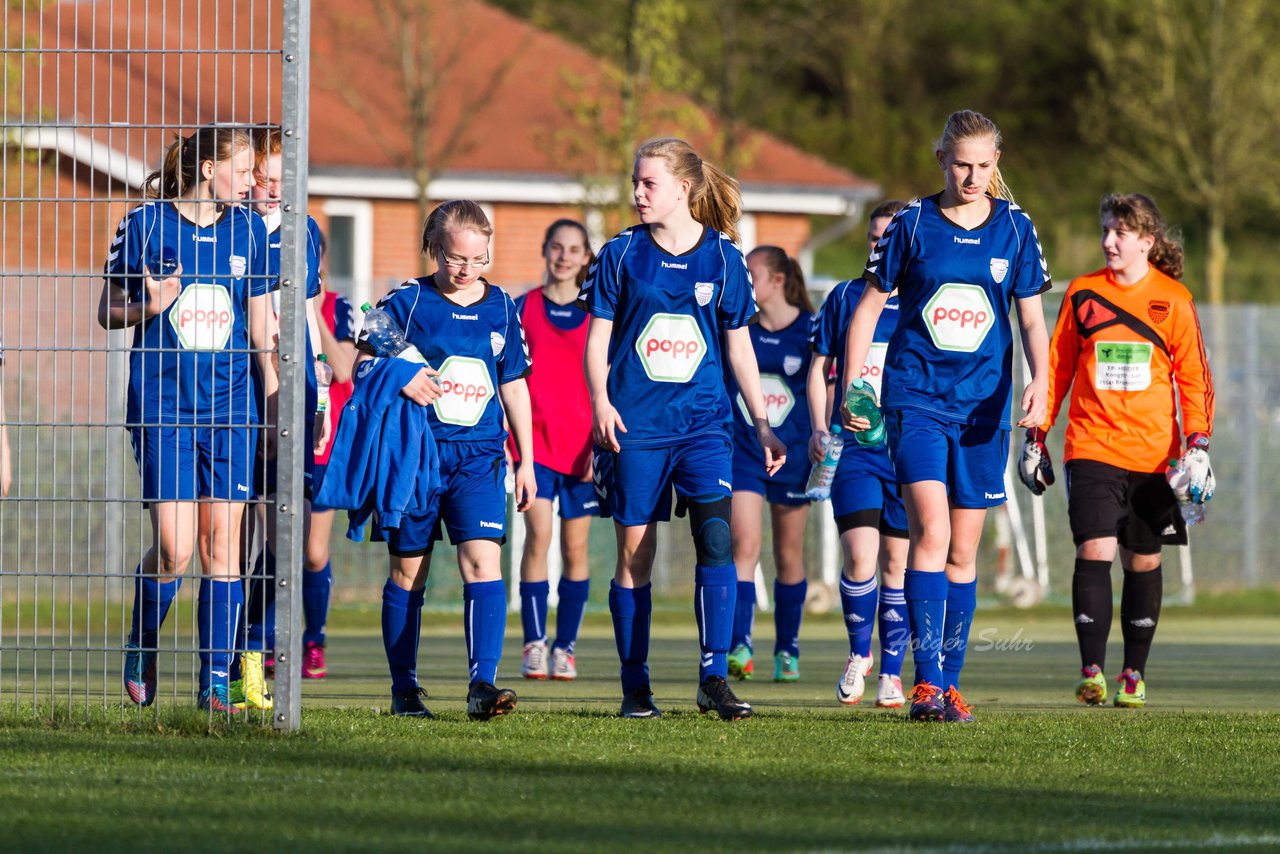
190,364
831,331
476,348
666,356
313,289
783,357
952,354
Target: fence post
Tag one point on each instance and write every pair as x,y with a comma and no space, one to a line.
294,126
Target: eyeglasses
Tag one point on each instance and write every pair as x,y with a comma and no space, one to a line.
463,263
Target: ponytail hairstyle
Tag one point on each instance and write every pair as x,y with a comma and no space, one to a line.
715,200
1139,214
565,222
776,260
967,124
456,215
179,173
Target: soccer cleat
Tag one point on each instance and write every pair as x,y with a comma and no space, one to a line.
485,701
313,666
1092,687
563,667
926,703
638,703
250,690
853,682
889,692
216,698
1132,693
786,667
954,709
407,703
715,694
533,664
740,664
139,675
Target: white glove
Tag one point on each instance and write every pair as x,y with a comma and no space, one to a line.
1199,475
1035,469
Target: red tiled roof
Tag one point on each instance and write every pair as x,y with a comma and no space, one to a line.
524,125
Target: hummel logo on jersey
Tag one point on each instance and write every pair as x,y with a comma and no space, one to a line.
769,340
457,316
1143,623
495,525
671,266
564,314
993,496
891,616
724,483
204,238
1083,619
970,241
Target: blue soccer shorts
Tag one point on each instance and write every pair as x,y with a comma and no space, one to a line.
969,458
635,484
472,503
186,463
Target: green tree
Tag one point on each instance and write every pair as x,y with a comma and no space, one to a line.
1187,99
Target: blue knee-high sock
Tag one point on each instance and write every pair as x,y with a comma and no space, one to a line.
151,601
744,615
632,611
316,587
533,610
715,589
219,605
894,632
858,601
962,599
573,602
926,595
401,625
485,621
788,611
260,613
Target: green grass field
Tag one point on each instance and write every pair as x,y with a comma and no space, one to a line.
1197,769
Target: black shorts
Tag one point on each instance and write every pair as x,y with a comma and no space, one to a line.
1136,507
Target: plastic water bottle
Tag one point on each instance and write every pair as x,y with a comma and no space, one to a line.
861,401
386,337
324,379
166,264
1179,481
824,472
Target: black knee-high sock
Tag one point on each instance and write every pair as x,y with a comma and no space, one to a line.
1091,605
1139,613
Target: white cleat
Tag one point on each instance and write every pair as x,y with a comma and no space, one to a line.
563,668
533,664
889,695
853,682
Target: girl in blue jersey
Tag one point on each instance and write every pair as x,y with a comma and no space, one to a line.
470,332
556,329
670,300
957,259
191,408
780,339
257,662
865,503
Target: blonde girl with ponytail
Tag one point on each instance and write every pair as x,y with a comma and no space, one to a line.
958,259
670,301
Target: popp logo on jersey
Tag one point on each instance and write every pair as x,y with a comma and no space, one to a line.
778,400
671,347
958,317
202,317
873,368
465,391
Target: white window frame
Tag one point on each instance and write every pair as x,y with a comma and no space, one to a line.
361,212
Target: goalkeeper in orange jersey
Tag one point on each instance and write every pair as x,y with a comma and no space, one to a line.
1128,347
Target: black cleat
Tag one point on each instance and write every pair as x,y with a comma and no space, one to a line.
715,693
638,703
484,701
408,703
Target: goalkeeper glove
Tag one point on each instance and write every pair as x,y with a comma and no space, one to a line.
1035,469
1199,473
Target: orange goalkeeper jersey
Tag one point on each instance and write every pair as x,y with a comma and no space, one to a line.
1124,352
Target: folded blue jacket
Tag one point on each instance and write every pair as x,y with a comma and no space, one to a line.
384,456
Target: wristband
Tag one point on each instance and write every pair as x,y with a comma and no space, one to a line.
1198,440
